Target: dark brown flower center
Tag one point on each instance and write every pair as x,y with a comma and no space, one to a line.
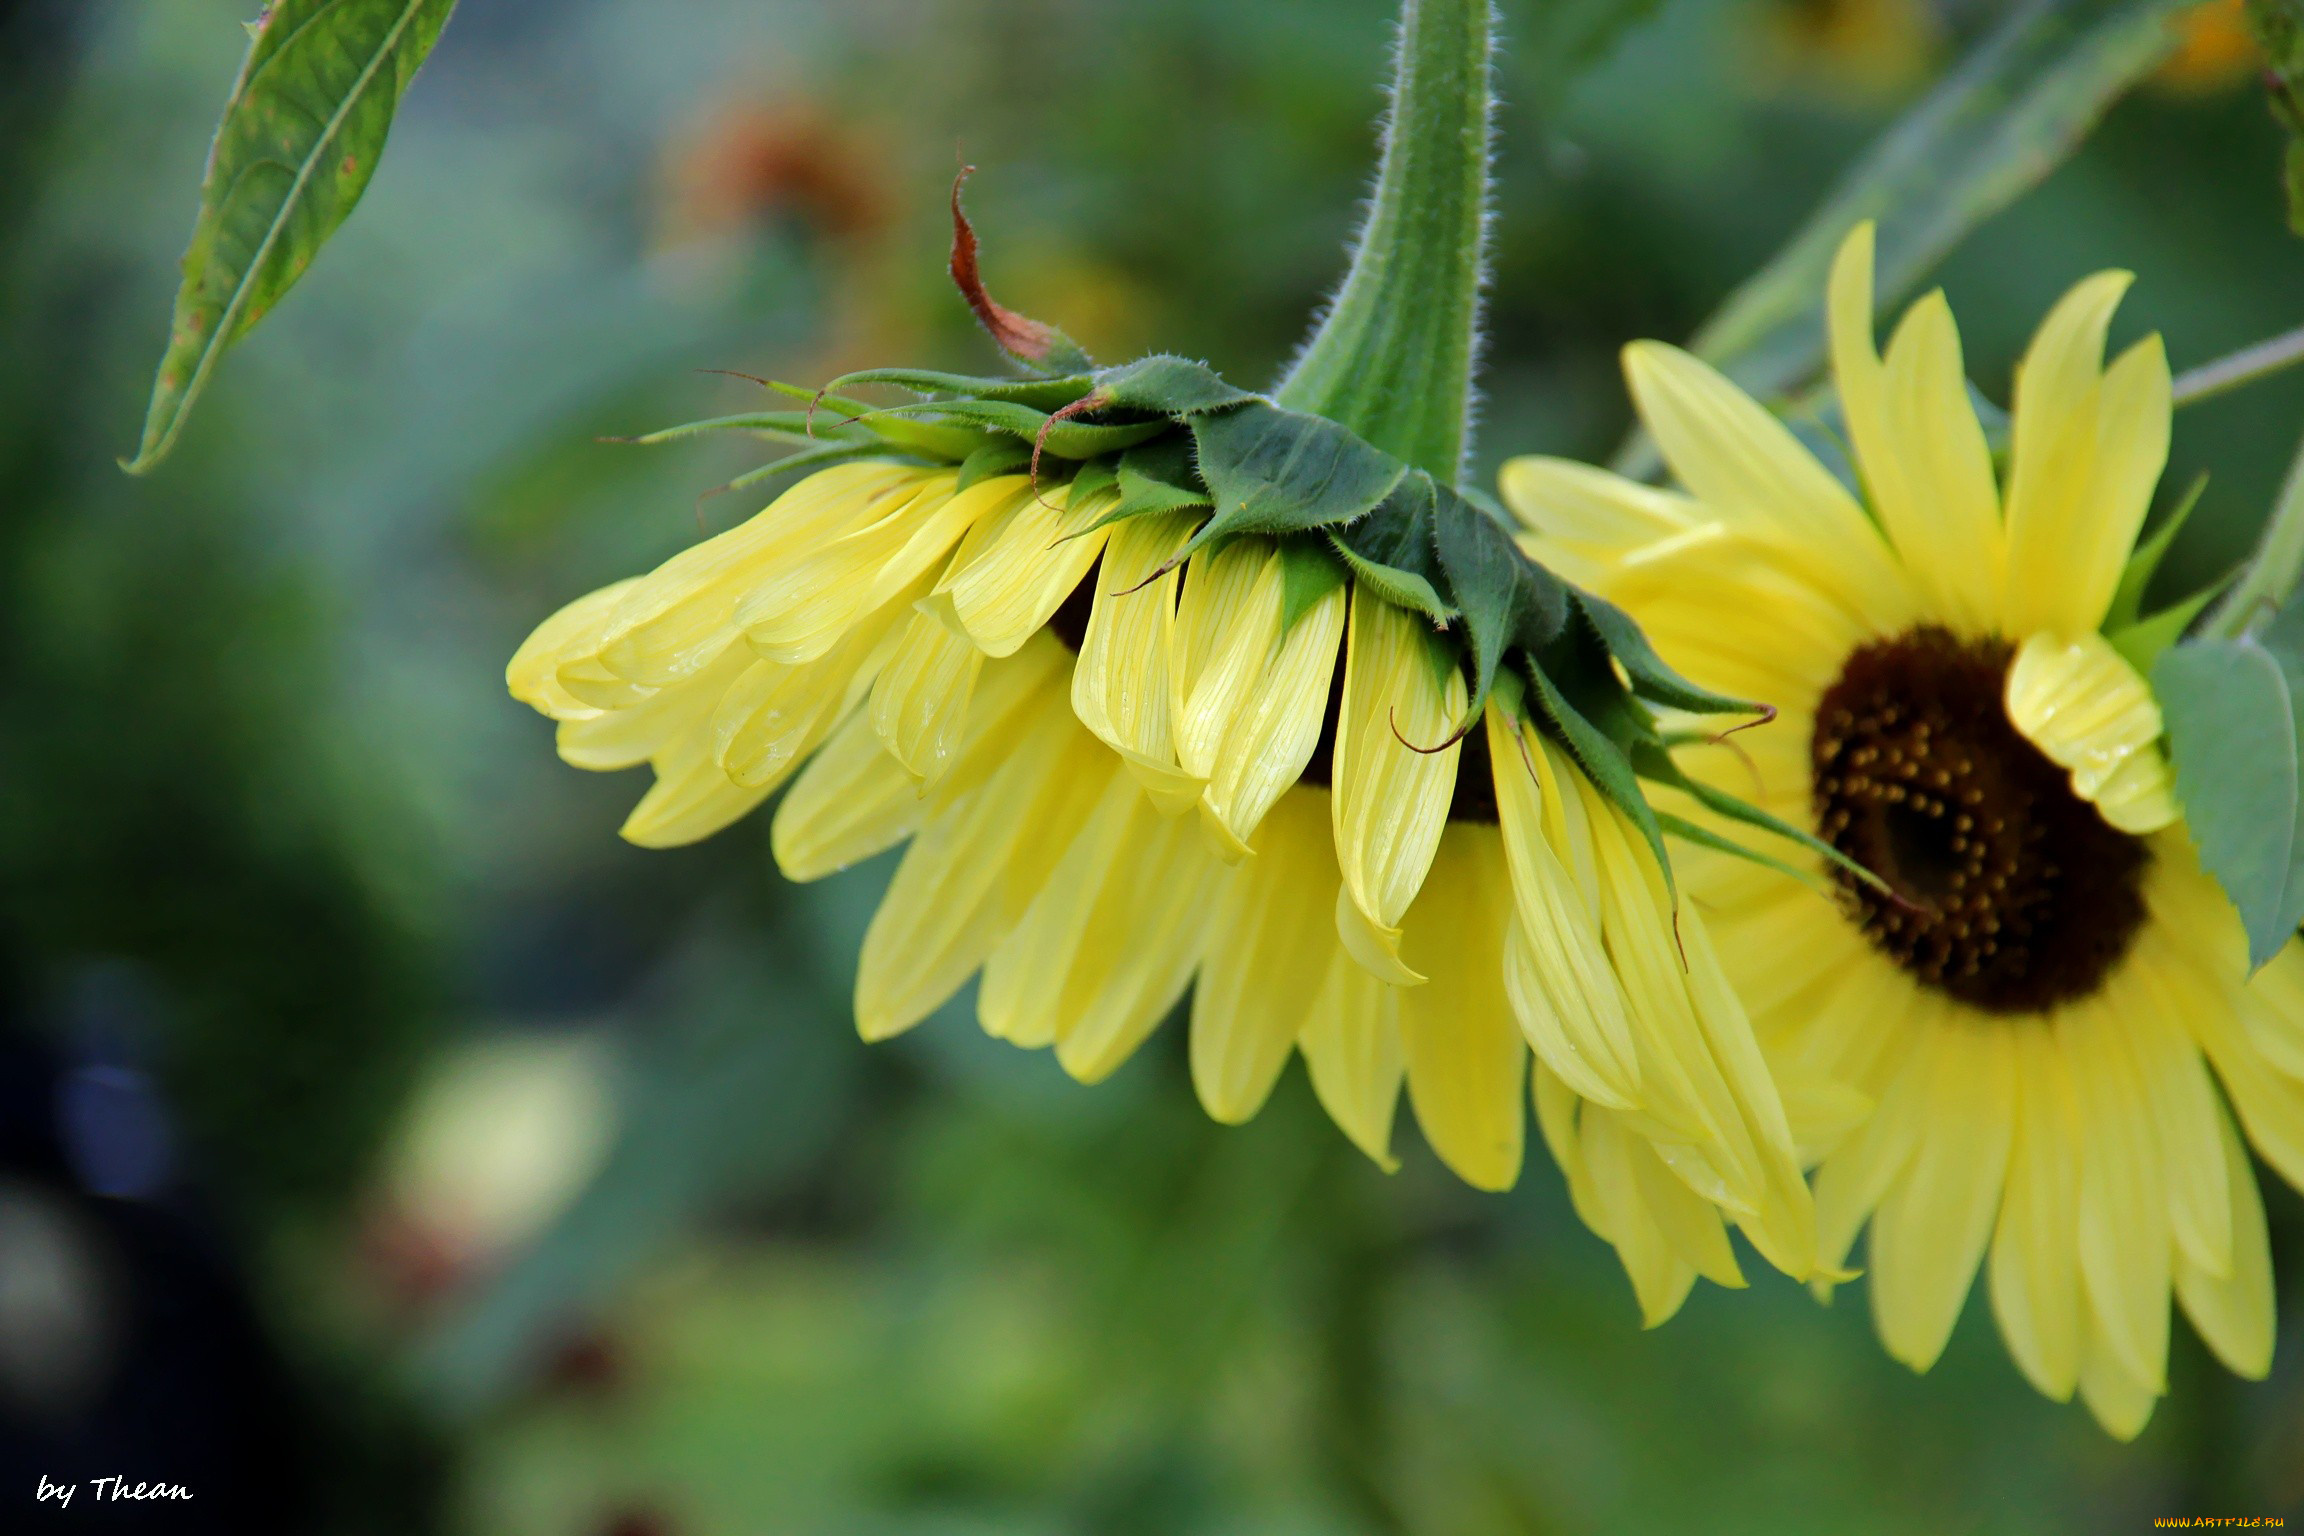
2010,892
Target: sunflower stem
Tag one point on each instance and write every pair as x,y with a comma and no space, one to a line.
2270,574
2245,366
1392,356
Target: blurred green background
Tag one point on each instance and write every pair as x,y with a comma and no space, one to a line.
389,1148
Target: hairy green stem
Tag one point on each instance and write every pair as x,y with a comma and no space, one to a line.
1392,357
2271,572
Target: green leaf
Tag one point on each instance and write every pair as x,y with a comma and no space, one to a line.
1506,598
2142,642
1169,386
1093,479
2128,601
1654,762
779,426
1391,550
1651,678
1003,456
2278,27
1992,130
1040,394
1309,571
1154,477
1276,471
299,139
2230,710
1695,832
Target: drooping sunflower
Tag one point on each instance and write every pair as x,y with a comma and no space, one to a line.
1122,773
2049,995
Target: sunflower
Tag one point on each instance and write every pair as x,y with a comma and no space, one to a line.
1122,772
2046,998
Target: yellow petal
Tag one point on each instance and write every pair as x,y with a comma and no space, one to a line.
1226,625
1390,801
976,863
1121,685
774,715
1269,950
2125,1244
2091,713
1586,517
1930,1229
1749,471
2185,1118
920,700
607,739
797,610
1034,553
2234,1311
1352,1051
851,801
1467,1064
1660,1276
1277,727
2089,445
2035,1268
1944,514
533,676
691,798
1852,1182
2121,1400
1563,991
682,614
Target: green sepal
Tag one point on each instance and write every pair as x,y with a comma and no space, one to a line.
1651,678
1040,394
820,457
1168,386
1506,598
1391,550
777,426
1309,571
1695,832
1153,477
2142,642
1095,476
2144,563
2230,708
1652,761
1277,471
1002,456
1054,438
1603,762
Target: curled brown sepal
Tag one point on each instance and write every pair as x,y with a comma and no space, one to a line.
1034,343
1392,719
1094,400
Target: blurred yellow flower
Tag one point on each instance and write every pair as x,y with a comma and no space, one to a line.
1119,772
2214,51
2045,1005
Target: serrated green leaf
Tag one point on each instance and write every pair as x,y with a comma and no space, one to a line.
1276,471
1093,479
1506,598
1391,550
1309,571
1651,678
1040,394
1003,456
2144,563
1158,475
2230,711
299,139
1170,386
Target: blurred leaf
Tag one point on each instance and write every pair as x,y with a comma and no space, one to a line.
2278,27
301,135
2230,707
747,1077
1992,130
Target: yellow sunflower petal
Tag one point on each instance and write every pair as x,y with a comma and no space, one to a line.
1352,1052
2035,1268
1390,801
2234,1311
1269,948
850,802
1748,470
1277,727
2126,1249
1587,517
920,700
533,675
1661,1277
2092,714
2121,1400
1120,687
1944,518
1033,554
1930,1229
1467,1064
606,739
